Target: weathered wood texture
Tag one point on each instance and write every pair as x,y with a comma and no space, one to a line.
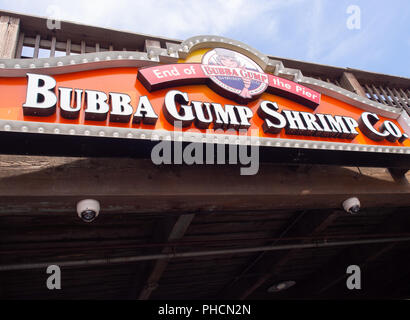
334,272
9,33
349,81
38,220
142,186
315,227
177,232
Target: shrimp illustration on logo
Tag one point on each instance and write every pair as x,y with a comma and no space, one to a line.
235,73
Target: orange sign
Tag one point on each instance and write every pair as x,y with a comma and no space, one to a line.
218,94
124,80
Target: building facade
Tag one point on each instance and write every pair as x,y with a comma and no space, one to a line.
220,172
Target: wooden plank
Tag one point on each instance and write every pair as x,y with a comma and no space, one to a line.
145,186
61,46
303,225
53,47
386,96
19,49
151,44
68,47
75,48
399,175
373,96
9,36
393,96
399,98
37,46
349,82
329,275
83,47
365,259
379,79
177,232
4,24
380,97
407,97
240,226
47,44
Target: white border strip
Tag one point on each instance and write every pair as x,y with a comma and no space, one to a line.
349,97
158,135
75,63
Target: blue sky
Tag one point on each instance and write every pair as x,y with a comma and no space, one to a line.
308,30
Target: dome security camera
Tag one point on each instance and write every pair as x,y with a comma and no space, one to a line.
88,210
351,205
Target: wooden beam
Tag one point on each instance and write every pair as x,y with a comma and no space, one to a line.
386,96
151,44
399,175
145,187
68,47
349,82
20,44
309,224
320,283
53,47
328,219
177,232
9,33
37,46
83,47
364,255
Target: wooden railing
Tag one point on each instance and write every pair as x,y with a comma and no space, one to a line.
33,38
35,47
334,81
395,97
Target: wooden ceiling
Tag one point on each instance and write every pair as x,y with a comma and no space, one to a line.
150,210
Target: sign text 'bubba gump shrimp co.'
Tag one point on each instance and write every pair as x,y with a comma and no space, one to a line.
224,91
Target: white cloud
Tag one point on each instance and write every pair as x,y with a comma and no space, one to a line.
315,16
177,18
301,29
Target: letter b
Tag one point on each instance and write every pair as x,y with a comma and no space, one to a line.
41,99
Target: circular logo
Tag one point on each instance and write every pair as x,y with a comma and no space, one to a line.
235,72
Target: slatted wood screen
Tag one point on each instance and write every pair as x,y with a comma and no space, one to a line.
394,97
54,46
391,96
